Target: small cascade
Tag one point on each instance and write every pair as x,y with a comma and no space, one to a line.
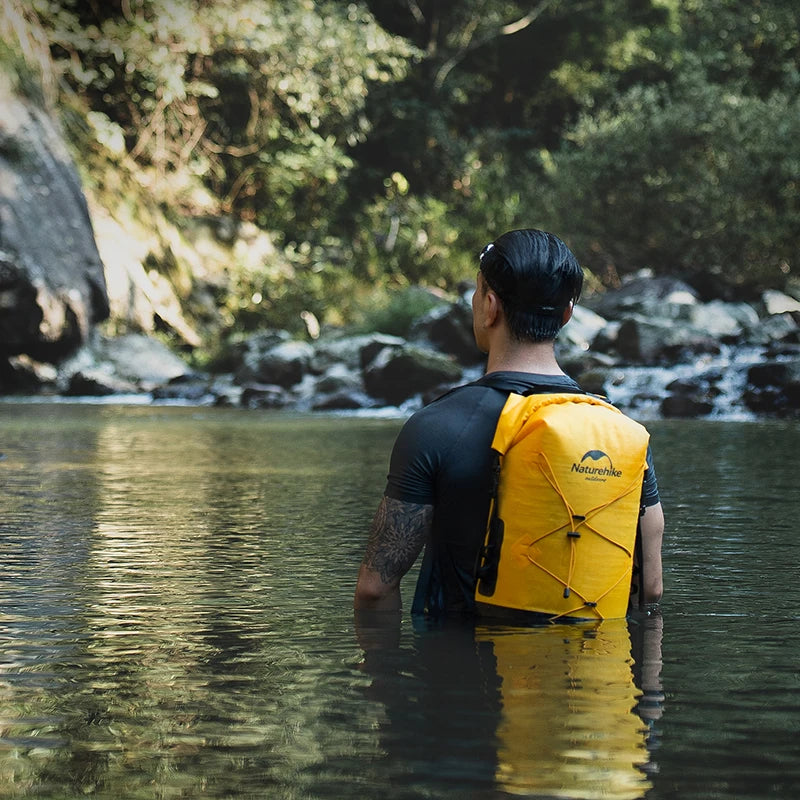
713,386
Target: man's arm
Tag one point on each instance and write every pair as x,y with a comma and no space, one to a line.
398,533
652,531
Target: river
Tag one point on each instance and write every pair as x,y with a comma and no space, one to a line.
175,621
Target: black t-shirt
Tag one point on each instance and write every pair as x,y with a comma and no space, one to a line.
442,457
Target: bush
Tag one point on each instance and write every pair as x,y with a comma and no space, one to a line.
394,313
697,181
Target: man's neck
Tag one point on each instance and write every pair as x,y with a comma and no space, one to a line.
538,358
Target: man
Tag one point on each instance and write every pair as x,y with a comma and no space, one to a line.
439,482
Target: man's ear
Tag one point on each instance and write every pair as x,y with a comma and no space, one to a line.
568,313
493,308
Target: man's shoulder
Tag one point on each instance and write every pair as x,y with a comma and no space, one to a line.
454,403
485,396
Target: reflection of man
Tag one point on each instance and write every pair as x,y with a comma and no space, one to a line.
550,711
440,475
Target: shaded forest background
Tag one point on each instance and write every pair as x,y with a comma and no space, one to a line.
291,164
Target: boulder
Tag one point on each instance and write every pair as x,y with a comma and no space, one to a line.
686,405
775,328
721,320
448,329
593,380
343,400
660,341
52,284
191,388
583,328
338,378
142,359
690,398
351,351
138,362
647,296
261,395
398,374
774,386
605,341
22,375
97,382
779,303
377,344
284,364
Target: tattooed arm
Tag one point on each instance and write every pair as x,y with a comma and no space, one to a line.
398,533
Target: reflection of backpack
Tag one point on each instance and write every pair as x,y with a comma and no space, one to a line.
563,518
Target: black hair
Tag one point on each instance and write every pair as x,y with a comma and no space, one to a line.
536,276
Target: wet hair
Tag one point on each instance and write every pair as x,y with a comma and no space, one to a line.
536,276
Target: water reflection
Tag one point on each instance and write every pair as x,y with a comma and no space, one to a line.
161,629
176,620
555,711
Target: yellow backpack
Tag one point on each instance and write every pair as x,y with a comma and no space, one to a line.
563,519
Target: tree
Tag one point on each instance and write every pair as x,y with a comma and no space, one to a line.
697,173
257,99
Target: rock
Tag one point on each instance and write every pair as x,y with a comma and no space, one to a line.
142,359
776,350
338,378
377,344
774,373
52,284
690,398
583,328
779,303
595,379
191,387
353,352
139,362
22,375
260,395
686,405
647,341
647,296
232,353
98,383
578,362
449,330
396,375
606,339
283,364
724,321
344,400
775,328
225,392
774,386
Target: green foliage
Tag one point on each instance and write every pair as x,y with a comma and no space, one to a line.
404,238
258,100
380,145
755,47
394,312
24,53
694,179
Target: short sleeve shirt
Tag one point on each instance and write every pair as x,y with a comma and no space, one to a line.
442,457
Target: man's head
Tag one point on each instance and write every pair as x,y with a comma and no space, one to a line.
536,278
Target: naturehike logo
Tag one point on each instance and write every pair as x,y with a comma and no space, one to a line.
604,469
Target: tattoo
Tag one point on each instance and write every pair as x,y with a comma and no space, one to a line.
398,533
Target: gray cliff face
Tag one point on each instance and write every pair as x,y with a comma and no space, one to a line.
52,284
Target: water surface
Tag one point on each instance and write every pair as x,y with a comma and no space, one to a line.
175,621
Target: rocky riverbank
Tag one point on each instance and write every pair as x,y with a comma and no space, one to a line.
652,346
